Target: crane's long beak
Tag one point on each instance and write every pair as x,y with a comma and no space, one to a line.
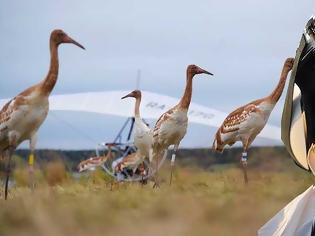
127,96
206,72
202,71
70,40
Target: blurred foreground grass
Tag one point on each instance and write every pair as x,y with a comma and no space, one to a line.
200,202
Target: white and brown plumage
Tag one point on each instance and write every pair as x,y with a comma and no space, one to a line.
128,166
131,161
171,127
21,117
94,162
143,137
246,122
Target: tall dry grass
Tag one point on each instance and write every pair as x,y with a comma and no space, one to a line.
55,173
199,202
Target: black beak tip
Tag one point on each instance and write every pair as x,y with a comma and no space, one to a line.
209,73
79,45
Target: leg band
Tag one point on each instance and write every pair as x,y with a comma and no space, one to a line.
244,156
173,158
31,159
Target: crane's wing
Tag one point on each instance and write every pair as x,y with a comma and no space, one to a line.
164,117
232,121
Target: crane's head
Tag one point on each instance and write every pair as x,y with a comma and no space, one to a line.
89,164
310,27
82,166
133,94
195,70
216,147
59,37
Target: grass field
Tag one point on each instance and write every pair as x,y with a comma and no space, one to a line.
211,201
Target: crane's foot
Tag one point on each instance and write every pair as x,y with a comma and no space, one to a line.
143,182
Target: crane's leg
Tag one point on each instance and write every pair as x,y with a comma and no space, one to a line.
141,170
31,158
8,170
173,161
244,166
150,155
160,155
156,176
246,144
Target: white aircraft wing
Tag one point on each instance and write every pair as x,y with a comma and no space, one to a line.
152,106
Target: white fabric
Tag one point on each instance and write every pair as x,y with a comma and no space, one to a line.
152,106
298,130
296,219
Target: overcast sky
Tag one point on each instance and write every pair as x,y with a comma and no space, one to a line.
244,43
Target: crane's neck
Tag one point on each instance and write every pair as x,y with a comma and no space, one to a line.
137,106
51,78
186,98
276,93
